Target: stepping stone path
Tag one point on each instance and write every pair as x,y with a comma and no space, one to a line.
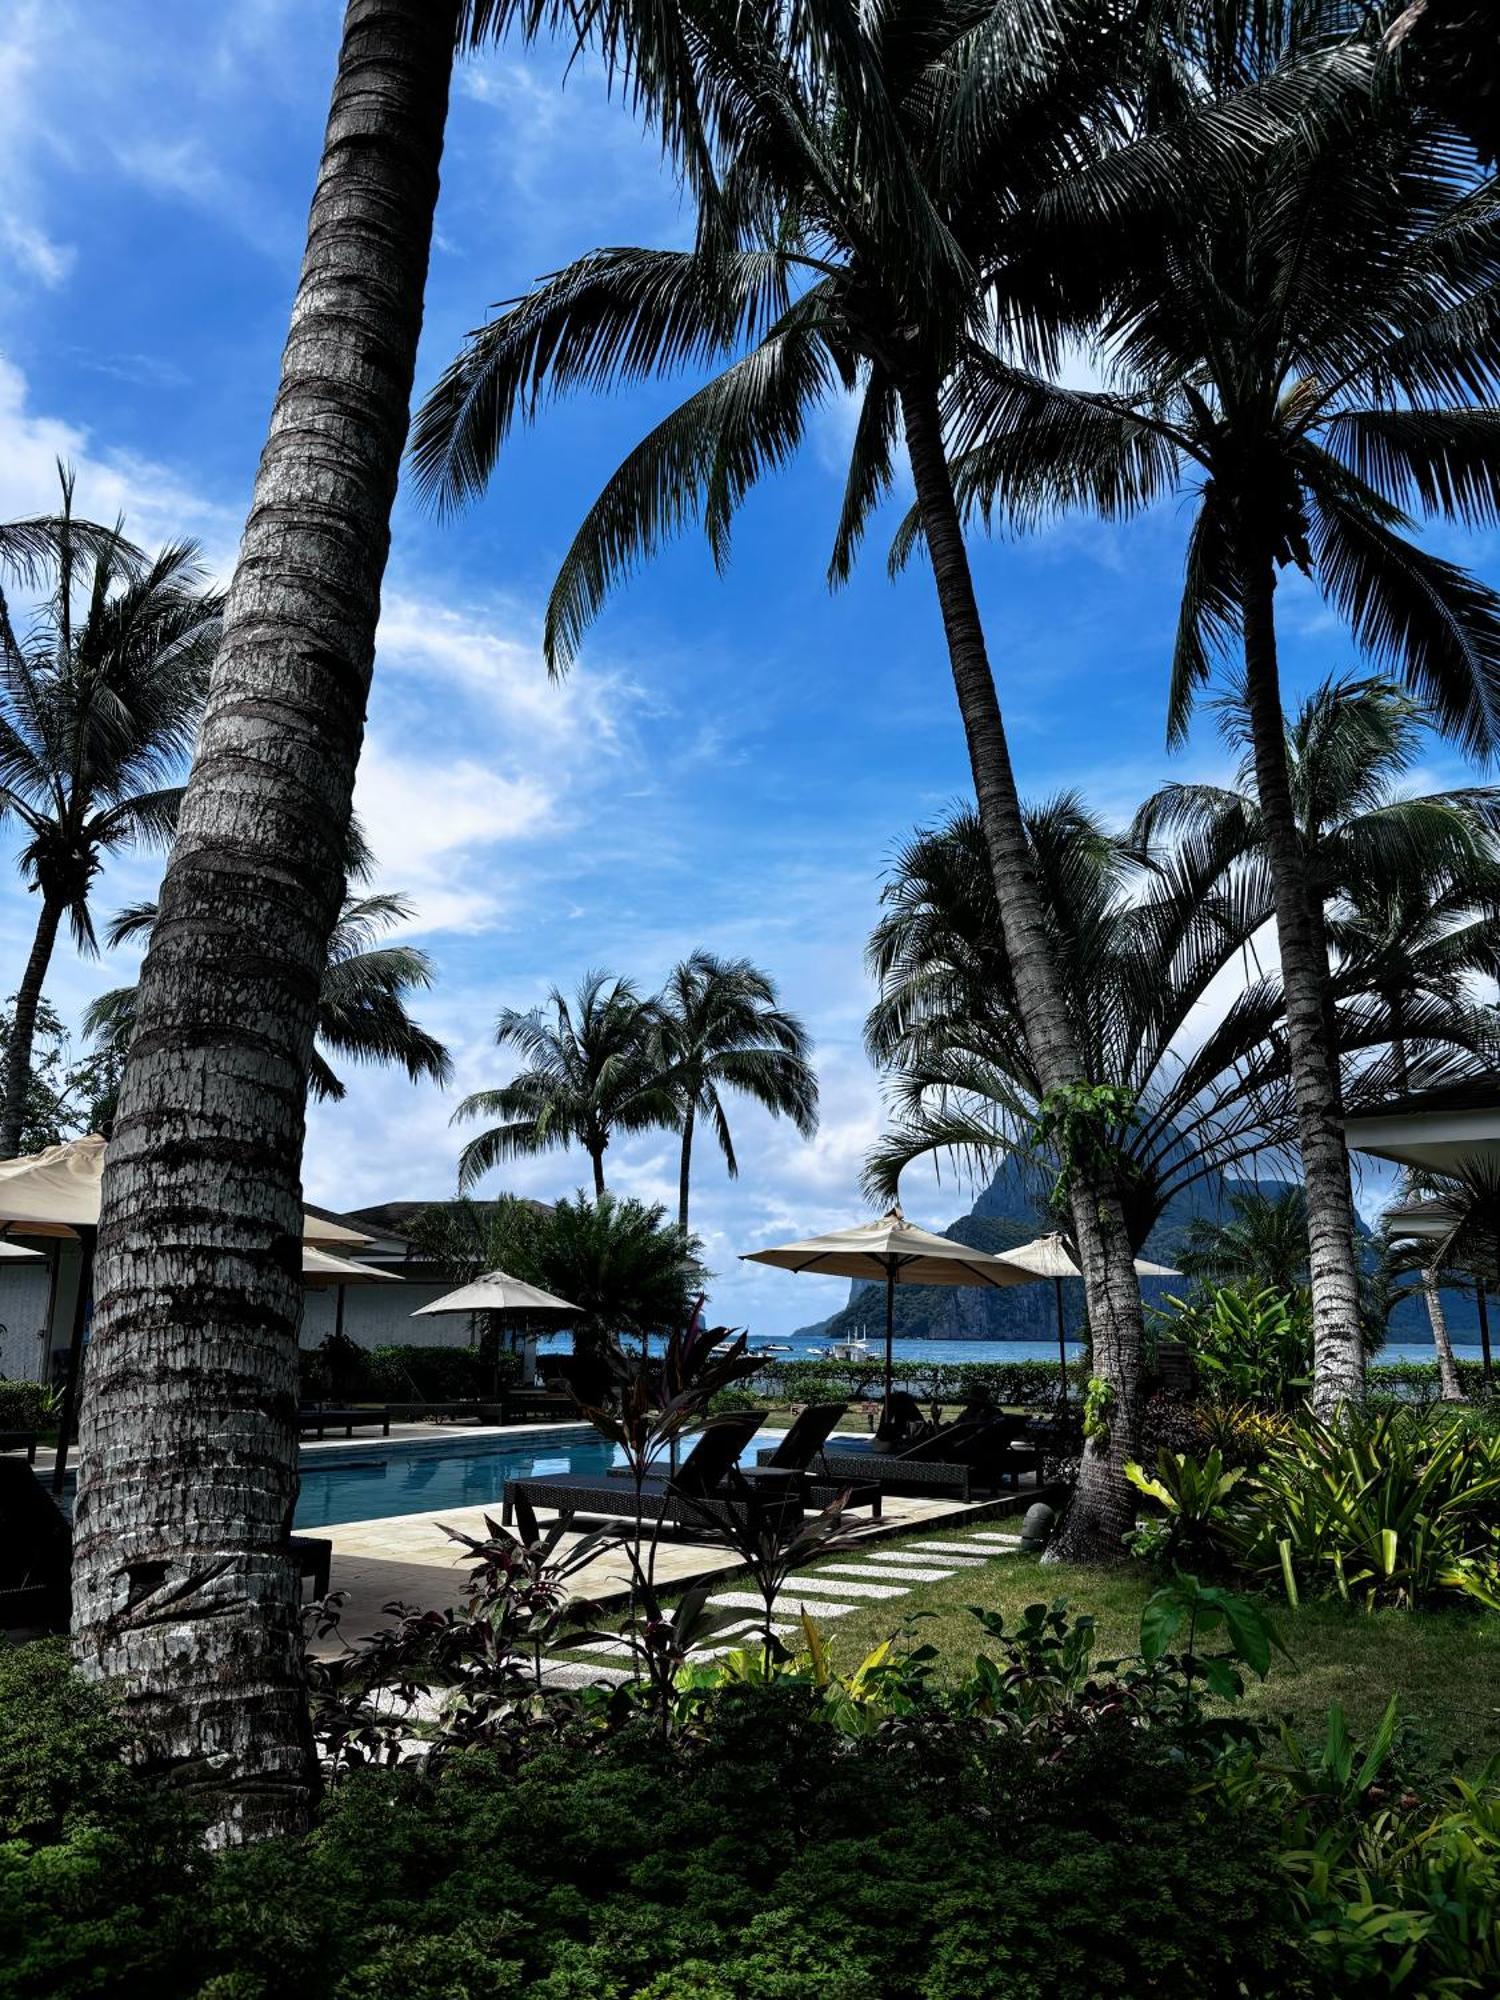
831,1590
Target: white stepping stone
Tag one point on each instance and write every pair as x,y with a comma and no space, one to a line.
902,1575
832,1586
737,1600
574,1674
966,1552
997,1541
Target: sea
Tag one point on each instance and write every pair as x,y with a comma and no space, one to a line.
809,1347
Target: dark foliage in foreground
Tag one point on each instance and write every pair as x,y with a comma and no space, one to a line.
767,1859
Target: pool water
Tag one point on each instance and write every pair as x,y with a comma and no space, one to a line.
367,1483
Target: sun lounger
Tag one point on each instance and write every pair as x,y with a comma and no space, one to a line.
319,1420
20,1441
36,1555
689,1498
961,1460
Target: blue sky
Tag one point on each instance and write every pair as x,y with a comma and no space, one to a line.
734,757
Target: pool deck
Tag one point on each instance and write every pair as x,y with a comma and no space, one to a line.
407,1558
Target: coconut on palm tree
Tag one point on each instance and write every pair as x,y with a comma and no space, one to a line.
99,700
856,243
723,1032
1310,344
362,1012
591,1067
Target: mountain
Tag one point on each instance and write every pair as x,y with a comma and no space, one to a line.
1010,1211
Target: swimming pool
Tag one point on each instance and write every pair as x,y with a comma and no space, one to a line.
423,1475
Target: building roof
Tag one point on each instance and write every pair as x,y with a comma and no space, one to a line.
394,1216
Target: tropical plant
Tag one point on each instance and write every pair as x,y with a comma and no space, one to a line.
1448,59
1311,341
1405,889
361,1006
1194,1499
1142,939
1387,1509
68,1095
99,703
1259,1242
593,1067
858,241
630,1271
722,1030
1250,1345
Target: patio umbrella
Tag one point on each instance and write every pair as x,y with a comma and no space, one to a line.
323,1272
506,1297
56,1193
1050,1257
894,1251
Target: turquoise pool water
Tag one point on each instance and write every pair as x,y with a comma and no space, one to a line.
359,1482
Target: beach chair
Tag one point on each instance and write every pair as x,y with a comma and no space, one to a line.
687,1498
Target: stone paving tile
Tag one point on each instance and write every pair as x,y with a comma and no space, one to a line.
896,1558
574,1674
815,1581
965,1551
740,1599
872,1575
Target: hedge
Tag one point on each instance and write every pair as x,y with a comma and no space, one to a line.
23,1406
1025,1382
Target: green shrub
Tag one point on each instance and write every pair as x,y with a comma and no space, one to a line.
1247,1346
99,1872
24,1406
1383,1509
436,1374
1031,1384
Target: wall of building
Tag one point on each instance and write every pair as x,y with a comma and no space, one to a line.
381,1316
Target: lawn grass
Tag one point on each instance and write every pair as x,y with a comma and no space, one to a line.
1444,1665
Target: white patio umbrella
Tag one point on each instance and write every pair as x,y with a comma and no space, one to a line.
56,1193
895,1251
1049,1257
506,1297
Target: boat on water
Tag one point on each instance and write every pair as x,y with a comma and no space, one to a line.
855,1348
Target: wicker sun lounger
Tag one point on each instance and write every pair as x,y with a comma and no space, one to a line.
689,1498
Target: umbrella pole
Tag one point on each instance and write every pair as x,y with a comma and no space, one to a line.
1062,1341
338,1312
86,1241
890,1333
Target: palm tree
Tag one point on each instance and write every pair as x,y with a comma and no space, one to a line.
99,701
722,1030
1261,1243
1145,935
361,1008
188,1459
1450,58
1311,343
593,1067
1460,1235
856,241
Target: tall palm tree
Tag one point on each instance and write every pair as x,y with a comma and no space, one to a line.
594,1066
855,242
722,1030
1311,346
362,1011
99,701
1145,936
183,1594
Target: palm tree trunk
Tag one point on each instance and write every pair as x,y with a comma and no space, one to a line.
596,1154
1102,1508
1451,1388
23,1029
686,1169
1338,1352
183,1591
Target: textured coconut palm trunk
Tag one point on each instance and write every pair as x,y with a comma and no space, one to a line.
1102,1509
1338,1351
183,1592
1451,1388
685,1171
23,1028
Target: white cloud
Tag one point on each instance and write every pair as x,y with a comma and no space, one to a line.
28,145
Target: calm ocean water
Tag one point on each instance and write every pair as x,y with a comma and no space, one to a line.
934,1352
